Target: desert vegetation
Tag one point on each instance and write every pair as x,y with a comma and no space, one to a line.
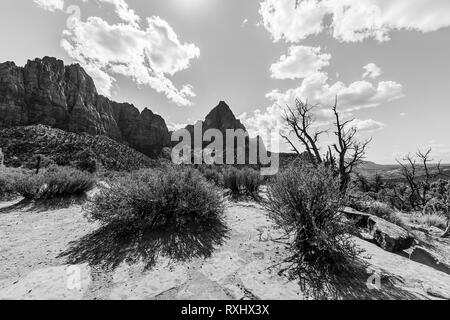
168,199
306,202
241,182
49,183
423,195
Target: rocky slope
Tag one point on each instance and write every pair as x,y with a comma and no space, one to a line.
21,145
47,92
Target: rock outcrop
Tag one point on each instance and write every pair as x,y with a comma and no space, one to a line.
47,92
221,118
387,235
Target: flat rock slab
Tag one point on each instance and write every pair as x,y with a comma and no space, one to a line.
62,282
387,235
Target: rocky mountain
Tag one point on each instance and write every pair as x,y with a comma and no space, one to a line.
22,146
221,118
47,92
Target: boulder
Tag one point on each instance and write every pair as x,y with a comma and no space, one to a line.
389,236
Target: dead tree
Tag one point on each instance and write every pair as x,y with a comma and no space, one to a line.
300,120
420,187
350,151
343,156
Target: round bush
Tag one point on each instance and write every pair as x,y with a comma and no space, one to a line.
169,199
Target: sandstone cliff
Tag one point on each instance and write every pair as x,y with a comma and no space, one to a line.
47,92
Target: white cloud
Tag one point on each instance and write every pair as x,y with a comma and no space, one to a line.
357,95
50,5
352,21
372,71
300,62
147,56
315,89
292,20
368,125
403,114
123,11
267,124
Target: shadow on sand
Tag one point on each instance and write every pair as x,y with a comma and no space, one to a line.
358,282
27,205
109,246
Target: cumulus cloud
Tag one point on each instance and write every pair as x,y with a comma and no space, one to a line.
123,11
357,95
292,20
317,90
368,125
268,124
50,5
147,56
300,62
372,71
352,21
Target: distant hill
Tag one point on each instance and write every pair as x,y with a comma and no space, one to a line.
390,172
21,144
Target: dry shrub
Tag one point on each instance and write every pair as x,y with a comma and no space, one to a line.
305,202
53,183
169,199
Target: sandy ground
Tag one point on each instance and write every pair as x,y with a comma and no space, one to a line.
33,266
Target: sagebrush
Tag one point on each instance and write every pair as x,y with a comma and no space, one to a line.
305,201
168,199
52,183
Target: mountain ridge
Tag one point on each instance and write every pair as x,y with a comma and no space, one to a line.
47,92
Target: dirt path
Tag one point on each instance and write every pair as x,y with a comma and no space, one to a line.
31,266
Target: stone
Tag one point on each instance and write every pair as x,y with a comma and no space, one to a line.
389,236
47,92
429,258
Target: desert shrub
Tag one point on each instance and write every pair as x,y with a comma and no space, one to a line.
242,182
251,182
86,161
39,159
362,183
54,182
385,212
431,220
8,178
305,202
213,175
168,199
232,180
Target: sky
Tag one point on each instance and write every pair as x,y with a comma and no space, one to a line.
387,61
